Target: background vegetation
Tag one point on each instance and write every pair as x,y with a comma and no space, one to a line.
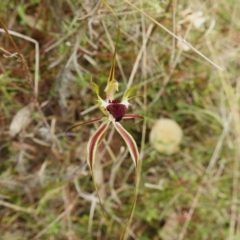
46,191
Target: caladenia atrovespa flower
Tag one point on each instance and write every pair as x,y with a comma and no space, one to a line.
114,111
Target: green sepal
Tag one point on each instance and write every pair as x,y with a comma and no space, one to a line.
132,90
111,88
95,88
99,99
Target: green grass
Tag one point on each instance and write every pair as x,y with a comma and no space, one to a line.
46,186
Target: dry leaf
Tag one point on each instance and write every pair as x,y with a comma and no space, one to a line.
165,136
21,119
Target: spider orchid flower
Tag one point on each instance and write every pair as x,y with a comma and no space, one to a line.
114,111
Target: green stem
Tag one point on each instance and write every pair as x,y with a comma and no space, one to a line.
124,233
112,70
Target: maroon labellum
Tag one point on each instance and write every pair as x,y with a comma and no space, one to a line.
116,109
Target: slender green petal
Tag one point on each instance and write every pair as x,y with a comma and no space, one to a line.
131,144
95,88
99,99
129,92
93,143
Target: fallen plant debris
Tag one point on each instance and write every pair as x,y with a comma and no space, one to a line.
21,120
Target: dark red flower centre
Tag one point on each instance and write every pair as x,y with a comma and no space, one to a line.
116,109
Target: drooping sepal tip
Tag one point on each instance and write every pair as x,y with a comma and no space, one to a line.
93,143
130,142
